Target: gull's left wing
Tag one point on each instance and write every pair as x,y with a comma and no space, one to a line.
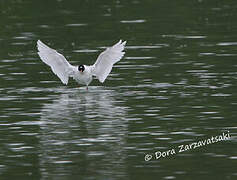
107,59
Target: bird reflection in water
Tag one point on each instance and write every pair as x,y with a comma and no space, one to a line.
84,129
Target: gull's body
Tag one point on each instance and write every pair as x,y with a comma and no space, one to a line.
83,74
84,77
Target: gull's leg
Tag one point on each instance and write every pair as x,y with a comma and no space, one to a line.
87,88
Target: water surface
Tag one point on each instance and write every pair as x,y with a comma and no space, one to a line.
176,85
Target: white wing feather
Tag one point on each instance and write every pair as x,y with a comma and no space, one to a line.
58,63
107,59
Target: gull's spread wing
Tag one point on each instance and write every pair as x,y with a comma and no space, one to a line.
107,59
58,63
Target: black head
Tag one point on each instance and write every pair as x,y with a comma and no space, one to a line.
81,68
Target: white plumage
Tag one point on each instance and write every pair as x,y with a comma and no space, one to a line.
63,69
107,59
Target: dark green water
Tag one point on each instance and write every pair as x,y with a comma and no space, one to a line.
176,85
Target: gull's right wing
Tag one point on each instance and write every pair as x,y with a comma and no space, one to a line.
58,63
